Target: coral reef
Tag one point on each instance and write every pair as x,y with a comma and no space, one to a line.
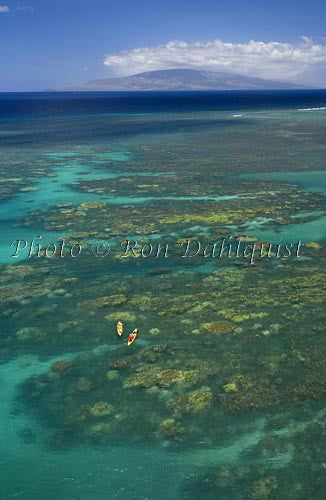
101,409
192,402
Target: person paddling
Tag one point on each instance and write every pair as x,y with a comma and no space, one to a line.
132,336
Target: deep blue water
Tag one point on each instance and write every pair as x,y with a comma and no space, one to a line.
20,104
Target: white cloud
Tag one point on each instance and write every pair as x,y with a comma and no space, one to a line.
262,59
25,8
4,8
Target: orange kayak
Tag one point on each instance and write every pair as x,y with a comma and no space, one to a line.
119,329
132,337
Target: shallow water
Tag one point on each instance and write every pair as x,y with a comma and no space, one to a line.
309,231
224,390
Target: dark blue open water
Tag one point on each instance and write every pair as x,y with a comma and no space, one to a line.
14,104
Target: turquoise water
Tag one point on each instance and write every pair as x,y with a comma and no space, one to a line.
55,190
315,230
309,231
312,180
50,191
94,473
222,395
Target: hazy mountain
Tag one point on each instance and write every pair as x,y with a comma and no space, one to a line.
184,79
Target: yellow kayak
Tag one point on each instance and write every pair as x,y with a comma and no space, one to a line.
132,337
119,329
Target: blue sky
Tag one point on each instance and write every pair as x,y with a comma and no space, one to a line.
48,43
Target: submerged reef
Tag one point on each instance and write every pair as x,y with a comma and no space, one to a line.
227,305
287,462
241,342
169,215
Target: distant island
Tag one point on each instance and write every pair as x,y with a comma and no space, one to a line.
184,79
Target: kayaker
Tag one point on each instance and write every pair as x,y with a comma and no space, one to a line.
132,337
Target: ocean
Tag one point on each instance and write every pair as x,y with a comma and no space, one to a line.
197,218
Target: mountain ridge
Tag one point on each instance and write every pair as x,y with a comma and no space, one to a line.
184,79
